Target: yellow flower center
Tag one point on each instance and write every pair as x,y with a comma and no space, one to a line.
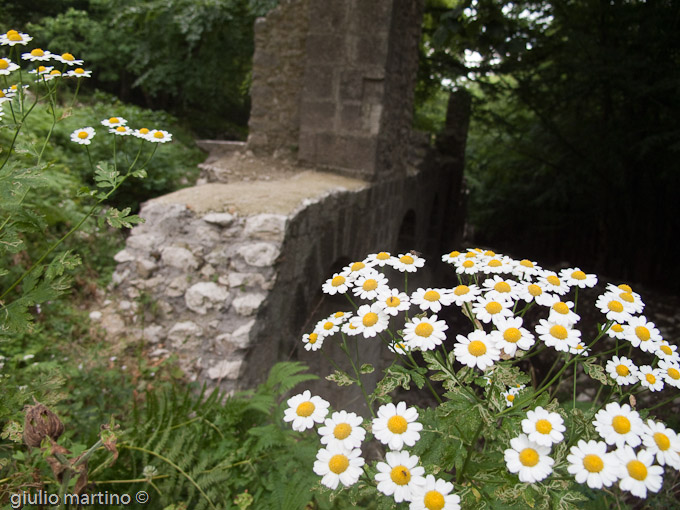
79,70
477,348
356,266
561,307
650,378
338,463
593,463
15,37
400,475
625,288
559,332
424,329
637,470
120,129
431,295
383,255
3,63
305,409
67,56
512,335
370,284
337,315
622,370
158,135
534,290
397,424
627,297
392,301
41,69
145,131
114,120
621,424
335,282
468,264
578,275
495,263
37,52
461,290
82,135
526,263
543,426
2,94
489,253
342,430
370,319
55,72
10,32
470,255
642,333
617,328
434,500
615,306
313,337
553,280
510,397
493,307
328,325
502,287
662,441
674,373
528,457
406,259
454,253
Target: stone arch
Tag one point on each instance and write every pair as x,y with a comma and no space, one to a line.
406,240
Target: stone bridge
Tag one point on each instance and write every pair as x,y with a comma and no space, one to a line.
227,274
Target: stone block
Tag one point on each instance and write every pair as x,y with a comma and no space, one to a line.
185,335
123,256
203,296
318,82
265,226
259,254
351,118
328,16
181,258
177,286
220,219
146,267
325,49
351,84
248,304
144,242
369,49
225,369
317,115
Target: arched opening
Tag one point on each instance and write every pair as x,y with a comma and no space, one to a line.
407,233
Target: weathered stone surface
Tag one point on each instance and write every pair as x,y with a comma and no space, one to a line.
225,369
152,333
146,267
124,256
248,304
144,242
241,336
205,295
259,254
265,226
178,257
221,219
185,334
236,280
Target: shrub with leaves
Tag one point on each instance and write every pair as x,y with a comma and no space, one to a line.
530,408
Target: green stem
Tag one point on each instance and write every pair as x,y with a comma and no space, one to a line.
459,474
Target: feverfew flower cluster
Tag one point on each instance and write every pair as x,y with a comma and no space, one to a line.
495,292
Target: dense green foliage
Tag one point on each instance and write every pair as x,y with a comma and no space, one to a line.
574,142
190,58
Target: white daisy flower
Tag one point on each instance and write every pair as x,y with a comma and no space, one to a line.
574,277
337,284
393,301
561,312
612,307
510,396
498,287
370,320
557,336
52,75
668,352
380,259
328,326
526,269
619,425
579,349
342,430
497,265
68,59
622,370
37,55
632,301
621,287
121,131
643,334
312,341
79,72
41,70
304,410
399,348
338,466
83,136
396,426
369,284
142,133
12,37
528,459
670,371
425,333
451,257
543,427
353,270
466,266
7,66
435,494
350,328
408,262
465,294
662,442
399,475
650,378
616,331
553,284
159,136
492,309
534,291
511,336
591,464
636,472
432,299
113,122
476,350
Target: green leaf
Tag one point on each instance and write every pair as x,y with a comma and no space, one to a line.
62,262
596,372
105,176
141,173
120,219
366,368
340,378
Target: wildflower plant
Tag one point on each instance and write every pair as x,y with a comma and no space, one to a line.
505,428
